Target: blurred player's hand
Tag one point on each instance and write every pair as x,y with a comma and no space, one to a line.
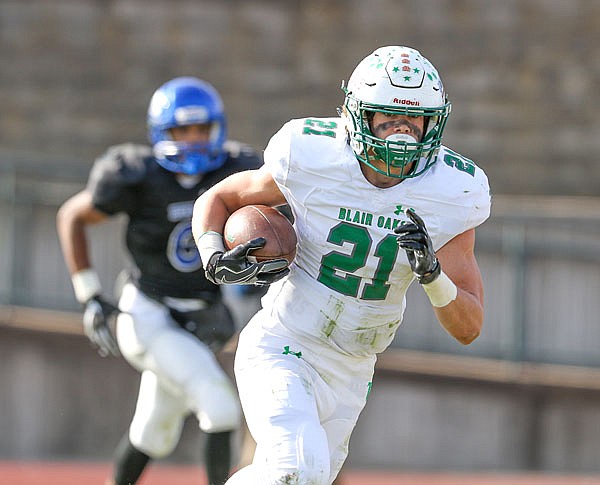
234,268
414,239
96,325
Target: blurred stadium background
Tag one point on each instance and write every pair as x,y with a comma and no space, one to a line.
523,76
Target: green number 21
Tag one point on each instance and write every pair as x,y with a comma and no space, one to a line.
350,284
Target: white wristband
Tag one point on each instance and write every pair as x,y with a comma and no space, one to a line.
86,284
208,244
441,291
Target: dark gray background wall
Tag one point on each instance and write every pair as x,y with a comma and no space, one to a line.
522,74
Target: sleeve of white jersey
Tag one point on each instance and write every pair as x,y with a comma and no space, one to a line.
482,202
459,202
277,157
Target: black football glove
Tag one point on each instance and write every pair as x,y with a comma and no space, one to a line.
96,325
414,239
234,268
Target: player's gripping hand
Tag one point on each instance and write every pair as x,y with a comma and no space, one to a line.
414,239
96,318
235,268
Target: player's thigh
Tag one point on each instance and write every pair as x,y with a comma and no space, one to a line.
281,411
184,362
152,340
140,320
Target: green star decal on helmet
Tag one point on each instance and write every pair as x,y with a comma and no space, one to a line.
416,70
396,69
407,78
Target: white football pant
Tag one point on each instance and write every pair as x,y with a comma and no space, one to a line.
301,402
180,375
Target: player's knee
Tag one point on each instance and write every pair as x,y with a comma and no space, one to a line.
312,460
268,475
157,440
314,472
301,476
221,414
155,446
217,407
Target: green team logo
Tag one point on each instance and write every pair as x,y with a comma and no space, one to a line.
287,351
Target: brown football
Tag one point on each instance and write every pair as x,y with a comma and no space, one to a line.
254,221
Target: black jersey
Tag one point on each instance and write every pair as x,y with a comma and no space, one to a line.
127,179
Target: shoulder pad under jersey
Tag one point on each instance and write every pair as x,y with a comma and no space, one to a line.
114,172
243,154
454,195
122,163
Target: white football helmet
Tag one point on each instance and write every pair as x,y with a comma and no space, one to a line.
395,80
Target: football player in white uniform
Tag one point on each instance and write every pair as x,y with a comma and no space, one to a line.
172,318
377,202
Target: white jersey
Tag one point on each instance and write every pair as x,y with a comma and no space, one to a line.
347,284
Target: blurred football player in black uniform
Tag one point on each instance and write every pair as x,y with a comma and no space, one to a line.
170,319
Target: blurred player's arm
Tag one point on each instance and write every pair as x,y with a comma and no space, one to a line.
71,221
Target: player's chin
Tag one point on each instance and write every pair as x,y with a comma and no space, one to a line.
389,182
396,174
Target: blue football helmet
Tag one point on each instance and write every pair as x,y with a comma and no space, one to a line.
187,101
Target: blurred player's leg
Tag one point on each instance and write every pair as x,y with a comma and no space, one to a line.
129,463
154,431
187,370
217,457
150,339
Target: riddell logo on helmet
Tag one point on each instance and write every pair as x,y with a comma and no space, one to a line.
406,102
